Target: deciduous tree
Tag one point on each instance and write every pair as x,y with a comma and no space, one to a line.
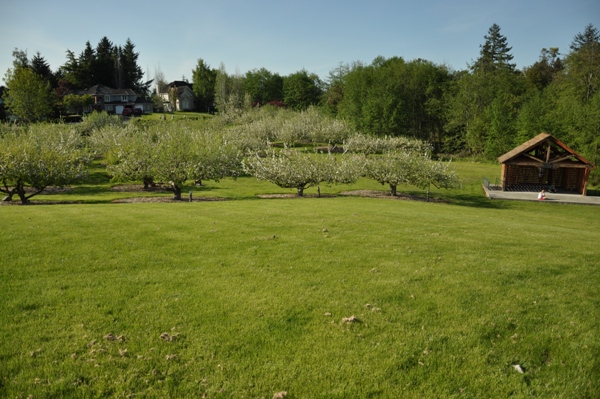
301,90
40,156
28,95
290,168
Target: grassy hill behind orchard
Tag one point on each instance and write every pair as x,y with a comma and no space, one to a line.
331,297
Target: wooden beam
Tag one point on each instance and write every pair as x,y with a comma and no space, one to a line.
561,159
548,149
586,176
532,157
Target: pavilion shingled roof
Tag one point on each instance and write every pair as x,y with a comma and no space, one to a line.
537,140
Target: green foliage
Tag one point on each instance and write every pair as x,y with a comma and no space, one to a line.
301,90
263,86
484,103
291,168
494,54
203,78
395,98
28,96
76,103
99,120
130,154
230,99
544,71
392,168
583,64
108,64
215,158
34,158
167,153
367,145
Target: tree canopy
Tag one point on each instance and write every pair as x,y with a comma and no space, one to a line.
28,96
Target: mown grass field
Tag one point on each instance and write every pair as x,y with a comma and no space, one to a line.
247,297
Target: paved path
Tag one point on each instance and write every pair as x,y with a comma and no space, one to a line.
552,197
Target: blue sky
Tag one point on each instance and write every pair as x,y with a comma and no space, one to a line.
287,36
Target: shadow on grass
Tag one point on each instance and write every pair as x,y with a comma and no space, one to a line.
474,201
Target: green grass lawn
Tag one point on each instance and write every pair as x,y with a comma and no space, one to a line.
249,296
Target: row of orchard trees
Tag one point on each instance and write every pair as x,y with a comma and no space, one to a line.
38,156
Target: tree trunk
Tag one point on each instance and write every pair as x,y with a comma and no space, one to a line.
300,191
393,190
8,191
148,182
176,192
23,197
20,191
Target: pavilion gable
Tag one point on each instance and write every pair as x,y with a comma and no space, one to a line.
544,162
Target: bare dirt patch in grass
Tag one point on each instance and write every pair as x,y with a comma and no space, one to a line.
386,195
17,201
165,199
136,188
139,188
294,196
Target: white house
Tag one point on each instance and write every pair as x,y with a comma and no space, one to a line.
184,96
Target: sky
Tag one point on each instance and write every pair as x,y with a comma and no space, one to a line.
286,36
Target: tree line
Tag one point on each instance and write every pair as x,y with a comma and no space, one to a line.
35,92
484,110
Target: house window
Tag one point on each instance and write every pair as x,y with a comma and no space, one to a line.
106,99
123,98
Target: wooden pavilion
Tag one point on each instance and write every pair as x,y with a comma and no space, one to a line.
544,162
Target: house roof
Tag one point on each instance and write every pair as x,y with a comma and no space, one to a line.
517,152
185,90
179,83
102,90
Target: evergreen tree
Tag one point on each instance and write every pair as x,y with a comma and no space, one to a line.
204,78
494,53
86,71
70,69
104,67
583,62
132,74
40,66
482,113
